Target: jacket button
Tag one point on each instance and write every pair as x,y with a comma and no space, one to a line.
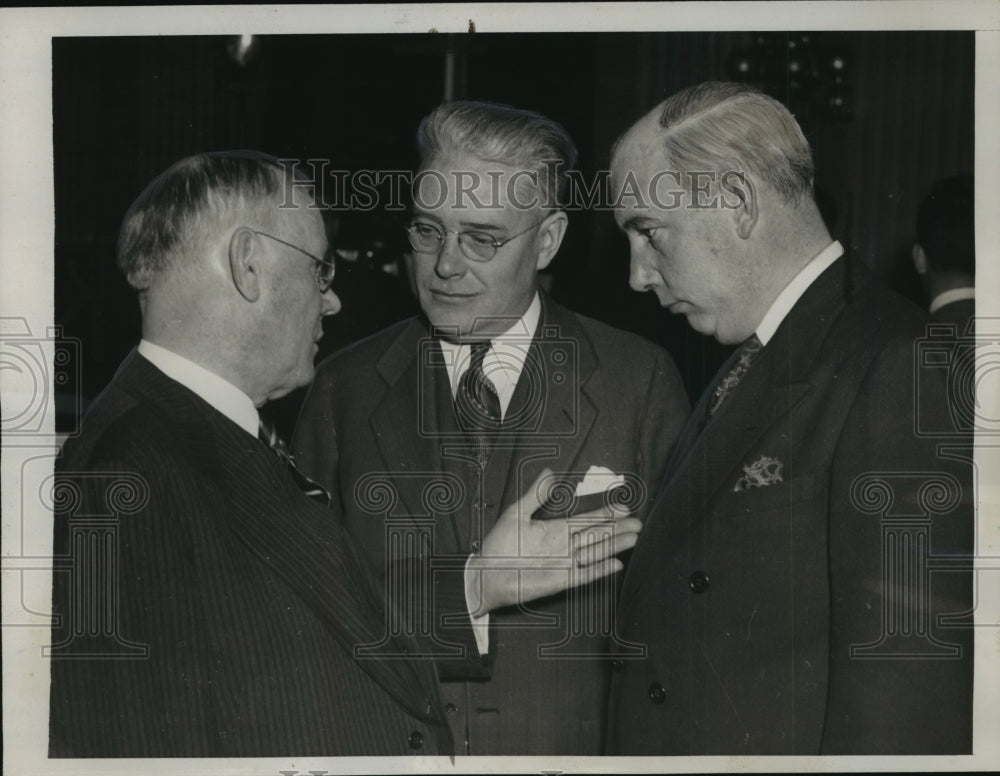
416,740
450,709
476,545
617,664
698,582
656,693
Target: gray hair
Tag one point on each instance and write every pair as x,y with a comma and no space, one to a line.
175,212
499,133
719,126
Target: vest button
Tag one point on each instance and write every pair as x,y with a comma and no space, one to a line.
450,709
416,740
617,664
698,582
657,694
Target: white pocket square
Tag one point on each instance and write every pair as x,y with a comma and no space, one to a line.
598,479
759,474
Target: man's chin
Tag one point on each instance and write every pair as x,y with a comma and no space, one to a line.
448,328
452,333
292,383
701,323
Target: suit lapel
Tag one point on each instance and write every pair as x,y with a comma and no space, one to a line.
696,422
771,388
552,400
758,403
775,384
306,549
312,554
405,423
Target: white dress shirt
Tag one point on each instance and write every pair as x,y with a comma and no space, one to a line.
221,394
791,294
502,366
504,360
951,296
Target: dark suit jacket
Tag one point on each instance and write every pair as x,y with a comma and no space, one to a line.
379,415
959,313
786,618
234,604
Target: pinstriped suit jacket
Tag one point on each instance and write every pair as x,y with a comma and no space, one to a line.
236,603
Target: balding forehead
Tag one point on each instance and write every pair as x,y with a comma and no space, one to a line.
645,135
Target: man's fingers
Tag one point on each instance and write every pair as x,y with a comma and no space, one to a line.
540,583
580,523
601,547
584,575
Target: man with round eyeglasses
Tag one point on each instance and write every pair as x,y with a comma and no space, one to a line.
492,385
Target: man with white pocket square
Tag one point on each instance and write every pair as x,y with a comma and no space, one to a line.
454,414
802,584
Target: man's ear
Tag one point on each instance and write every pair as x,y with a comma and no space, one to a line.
551,234
919,259
745,195
244,263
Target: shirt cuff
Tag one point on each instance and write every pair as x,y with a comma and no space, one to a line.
473,597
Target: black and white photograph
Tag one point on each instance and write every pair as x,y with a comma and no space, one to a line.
556,388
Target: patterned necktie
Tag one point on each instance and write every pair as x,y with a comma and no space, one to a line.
744,358
477,404
268,434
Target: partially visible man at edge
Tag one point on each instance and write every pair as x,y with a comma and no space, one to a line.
784,584
944,254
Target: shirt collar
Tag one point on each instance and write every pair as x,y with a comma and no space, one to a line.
221,394
504,360
786,300
951,296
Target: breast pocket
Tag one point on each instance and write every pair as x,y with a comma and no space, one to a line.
751,500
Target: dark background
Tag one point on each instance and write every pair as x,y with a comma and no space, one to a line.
887,114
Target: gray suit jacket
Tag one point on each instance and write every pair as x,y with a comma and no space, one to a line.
377,427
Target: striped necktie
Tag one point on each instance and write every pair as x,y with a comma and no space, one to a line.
477,405
268,434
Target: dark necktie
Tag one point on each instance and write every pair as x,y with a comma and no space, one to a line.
268,434
477,405
744,357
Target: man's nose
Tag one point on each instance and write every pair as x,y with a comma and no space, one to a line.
640,276
450,259
331,303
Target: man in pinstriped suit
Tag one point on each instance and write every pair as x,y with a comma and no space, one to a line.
235,605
